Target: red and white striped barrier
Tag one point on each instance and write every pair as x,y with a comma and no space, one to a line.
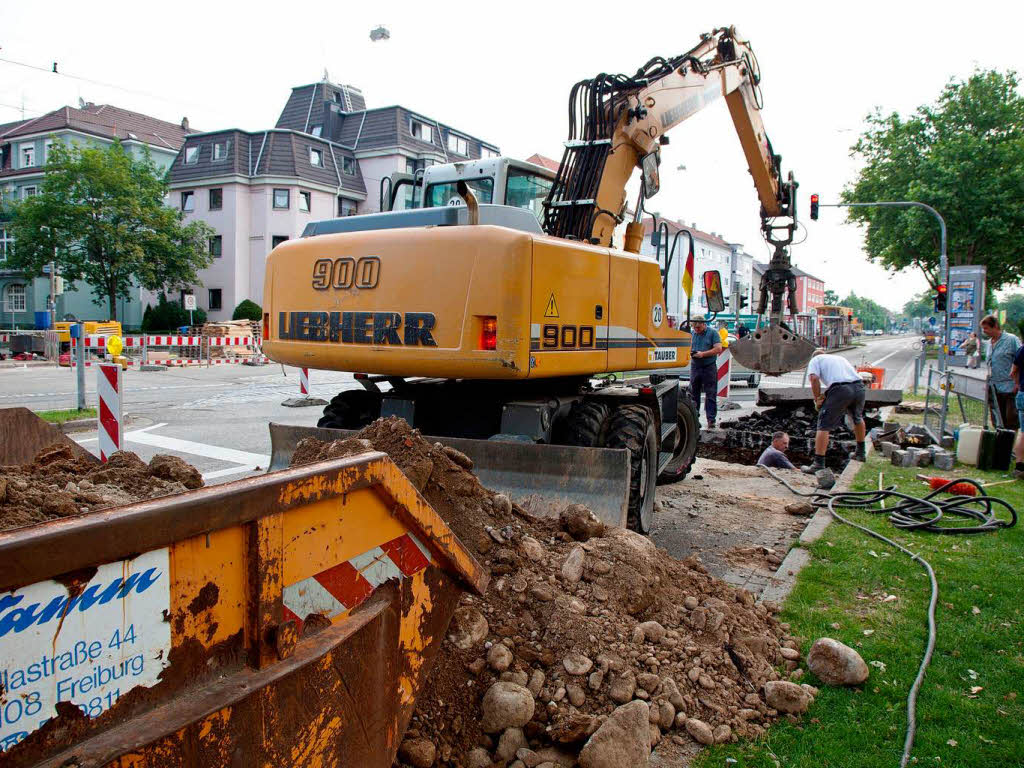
111,427
724,362
346,585
304,382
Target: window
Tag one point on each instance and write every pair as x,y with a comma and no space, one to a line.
316,157
188,201
282,198
216,246
317,130
486,152
215,299
457,144
348,166
277,240
346,207
191,155
27,192
410,166
421,131
15,298
6,241
216,199
220,150
305,199
28,155
336,96
527,190
443,194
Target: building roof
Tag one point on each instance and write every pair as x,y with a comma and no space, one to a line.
276,152
340,115
544,162
103,120
676,226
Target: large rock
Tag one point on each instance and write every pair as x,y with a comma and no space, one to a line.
580,523
419,753
786,696
622,688
468,628
572,568
505,705
623,740
700,731
835,663
511,741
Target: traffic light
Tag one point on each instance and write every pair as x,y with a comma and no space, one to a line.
814,207
743,300
940,297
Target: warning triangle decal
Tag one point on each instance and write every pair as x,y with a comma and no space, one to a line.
552,308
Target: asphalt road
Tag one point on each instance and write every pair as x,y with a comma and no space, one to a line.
216,418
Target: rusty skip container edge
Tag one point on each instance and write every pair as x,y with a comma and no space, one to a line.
289,619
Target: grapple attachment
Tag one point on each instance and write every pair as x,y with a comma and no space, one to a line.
772,350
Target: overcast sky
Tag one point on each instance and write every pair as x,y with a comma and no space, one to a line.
502,72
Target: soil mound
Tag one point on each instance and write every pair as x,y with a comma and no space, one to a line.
583,619
59,484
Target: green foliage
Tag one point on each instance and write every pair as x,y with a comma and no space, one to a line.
870,313
100,215
922,305
1014,306
964,156
831,298
169,316
248,310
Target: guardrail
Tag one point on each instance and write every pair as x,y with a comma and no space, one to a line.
180,350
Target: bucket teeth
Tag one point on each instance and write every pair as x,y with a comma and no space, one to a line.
773,350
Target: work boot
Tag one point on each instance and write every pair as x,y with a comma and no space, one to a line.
860,454
1018,471
816,466
711,425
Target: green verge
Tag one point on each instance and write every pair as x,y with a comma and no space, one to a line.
59,417
971,705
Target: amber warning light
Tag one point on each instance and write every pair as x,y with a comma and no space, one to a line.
489,333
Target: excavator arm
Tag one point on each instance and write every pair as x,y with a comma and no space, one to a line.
618,123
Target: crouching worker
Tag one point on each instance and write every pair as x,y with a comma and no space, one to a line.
775,454
838,390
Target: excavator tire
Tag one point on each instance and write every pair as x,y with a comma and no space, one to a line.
586,424
351,409
686,448
632,427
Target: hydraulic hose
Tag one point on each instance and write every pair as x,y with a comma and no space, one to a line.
924,513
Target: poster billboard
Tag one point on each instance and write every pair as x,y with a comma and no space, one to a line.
966,303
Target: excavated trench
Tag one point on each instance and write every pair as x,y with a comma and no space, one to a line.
742,440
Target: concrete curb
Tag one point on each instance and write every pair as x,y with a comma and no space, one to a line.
77,425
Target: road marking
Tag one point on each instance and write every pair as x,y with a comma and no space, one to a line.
881,360
198,449
234,470
127,435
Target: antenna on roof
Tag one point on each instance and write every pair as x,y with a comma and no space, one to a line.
326,79
380,32
81,102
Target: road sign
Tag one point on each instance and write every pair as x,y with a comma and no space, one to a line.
190,301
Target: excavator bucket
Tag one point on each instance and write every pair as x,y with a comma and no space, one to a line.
289,619
542,479
772,350
23,435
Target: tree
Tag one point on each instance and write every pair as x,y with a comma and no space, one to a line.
100,215
1014,306
870,313
831,298
169,316
248,310
964,156
922,305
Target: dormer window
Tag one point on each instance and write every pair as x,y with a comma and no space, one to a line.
317,130
336,95
421,131
348,166
220,150
191,155
316,157
458,145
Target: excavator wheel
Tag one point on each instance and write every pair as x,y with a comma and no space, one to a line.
586,424
632,427
686,447
351,409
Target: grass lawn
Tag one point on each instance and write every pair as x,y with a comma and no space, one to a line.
59,417
971,705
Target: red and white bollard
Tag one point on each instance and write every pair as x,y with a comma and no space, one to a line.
111,424
304,382
724,362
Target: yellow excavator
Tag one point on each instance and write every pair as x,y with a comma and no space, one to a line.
494,315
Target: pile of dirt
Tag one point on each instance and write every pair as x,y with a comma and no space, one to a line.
578,620
59,484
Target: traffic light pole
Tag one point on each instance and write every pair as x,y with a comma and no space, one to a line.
943,260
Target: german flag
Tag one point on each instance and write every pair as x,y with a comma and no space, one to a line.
688,273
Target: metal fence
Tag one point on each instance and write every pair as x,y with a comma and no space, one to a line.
955,397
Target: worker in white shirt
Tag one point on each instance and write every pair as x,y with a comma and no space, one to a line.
838,389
